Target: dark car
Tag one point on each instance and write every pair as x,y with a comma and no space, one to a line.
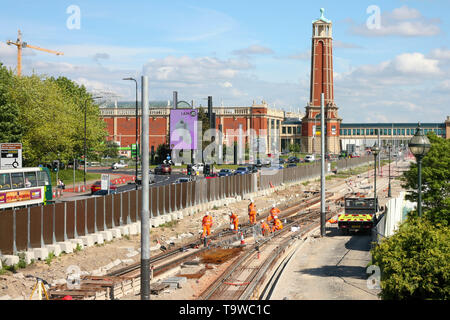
290,165
293,159
225,173
241,170
104,192
163,169
281,161
98,186
252,168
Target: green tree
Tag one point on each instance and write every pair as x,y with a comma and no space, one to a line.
435,181
415,262
161,152
11,128
111,149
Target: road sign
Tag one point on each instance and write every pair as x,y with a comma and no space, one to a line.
11,155
105,182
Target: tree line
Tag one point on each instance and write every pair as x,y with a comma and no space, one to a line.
415,261
46,115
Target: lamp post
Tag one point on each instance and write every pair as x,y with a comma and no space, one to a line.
375,151
136,172
389,186
85,147
419,146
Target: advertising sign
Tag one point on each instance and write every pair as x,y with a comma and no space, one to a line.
10,155
23,195
183,129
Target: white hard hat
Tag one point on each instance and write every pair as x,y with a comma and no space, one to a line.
251,199
273,205
230,213
207,212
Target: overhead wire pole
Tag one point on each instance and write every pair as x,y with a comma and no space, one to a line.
145,213
322,167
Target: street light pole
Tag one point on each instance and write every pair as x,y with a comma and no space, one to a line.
136,172
375,151
389,186
85,146
419,146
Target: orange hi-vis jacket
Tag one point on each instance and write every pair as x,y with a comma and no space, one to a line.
273,214
234,219
277,225
207,221
251,209
265,227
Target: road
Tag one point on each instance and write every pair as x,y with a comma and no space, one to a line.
329,268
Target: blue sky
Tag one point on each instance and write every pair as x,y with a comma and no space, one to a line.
240,51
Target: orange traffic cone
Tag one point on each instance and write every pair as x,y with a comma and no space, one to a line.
242,238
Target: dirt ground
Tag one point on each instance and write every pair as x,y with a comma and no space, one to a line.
121,252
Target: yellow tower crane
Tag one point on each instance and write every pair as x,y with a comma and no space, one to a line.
20,45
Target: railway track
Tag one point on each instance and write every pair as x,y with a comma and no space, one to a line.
126,280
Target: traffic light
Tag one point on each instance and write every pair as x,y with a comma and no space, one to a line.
55,165
189,169
207,169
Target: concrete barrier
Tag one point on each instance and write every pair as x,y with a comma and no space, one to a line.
40,253
56,249
66,246
88,241
10,260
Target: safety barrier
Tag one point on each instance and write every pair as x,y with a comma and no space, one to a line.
34,227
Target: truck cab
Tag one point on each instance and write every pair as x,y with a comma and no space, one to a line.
359,215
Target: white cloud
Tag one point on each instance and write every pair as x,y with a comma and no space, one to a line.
253,49
403,21
415,63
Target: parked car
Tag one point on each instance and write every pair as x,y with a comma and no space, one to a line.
252,168
225,173
118,165
241,170
151,177
104,192
310,158
211,175
354,155
163,169
182,180
98,186
290,165
293,159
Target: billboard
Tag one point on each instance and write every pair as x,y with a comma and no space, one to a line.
183,129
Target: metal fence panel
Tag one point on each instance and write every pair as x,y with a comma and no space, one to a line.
109,210
100,213
133,205
117,209
6,232
70,219
21,229
35,226
154,201
47,219
59,222
90,218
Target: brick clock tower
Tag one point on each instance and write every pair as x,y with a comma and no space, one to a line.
321,82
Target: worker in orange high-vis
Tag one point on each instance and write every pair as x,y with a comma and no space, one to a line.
207,222
273,213
234,220
252,212
277,225
265,229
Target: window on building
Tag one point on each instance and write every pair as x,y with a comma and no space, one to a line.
299,130
283,130
395,132
273,124
371,132
354,132
389,131
340,132
376,132
385,132
358,132
403,132
407,132
289,130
